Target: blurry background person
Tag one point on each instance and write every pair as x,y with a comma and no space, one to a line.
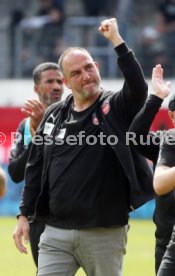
166,28
48,85
164,214
52,32
164,183
40,34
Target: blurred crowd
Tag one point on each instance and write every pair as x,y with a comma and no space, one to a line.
44,34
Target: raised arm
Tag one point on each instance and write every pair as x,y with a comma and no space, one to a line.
141,124
134,92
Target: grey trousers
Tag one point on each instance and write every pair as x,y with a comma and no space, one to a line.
99,251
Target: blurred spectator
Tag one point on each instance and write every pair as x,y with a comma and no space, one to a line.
95,8
48,6
16,16
166,27
40,36
2,182
52,32
151,50
125,14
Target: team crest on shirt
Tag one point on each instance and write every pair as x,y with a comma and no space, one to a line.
105,107
95,119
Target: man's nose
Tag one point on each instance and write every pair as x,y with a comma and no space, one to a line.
86,75
58,85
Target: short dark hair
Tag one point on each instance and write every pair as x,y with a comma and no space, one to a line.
44,67
171,105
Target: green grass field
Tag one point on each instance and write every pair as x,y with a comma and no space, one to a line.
139,259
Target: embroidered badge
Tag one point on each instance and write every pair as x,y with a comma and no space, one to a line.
95,119
105,107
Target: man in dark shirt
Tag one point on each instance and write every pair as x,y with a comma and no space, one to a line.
164,214
164,183
49,88
84,177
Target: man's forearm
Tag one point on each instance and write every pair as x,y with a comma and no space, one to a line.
164,180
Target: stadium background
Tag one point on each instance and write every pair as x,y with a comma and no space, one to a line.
20,53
